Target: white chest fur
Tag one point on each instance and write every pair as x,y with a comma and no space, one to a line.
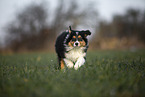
75,53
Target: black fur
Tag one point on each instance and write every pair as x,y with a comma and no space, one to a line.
59,46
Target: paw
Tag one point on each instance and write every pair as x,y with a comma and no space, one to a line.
69,63
79,63
76,67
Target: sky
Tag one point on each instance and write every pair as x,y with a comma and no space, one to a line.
108,9
105,8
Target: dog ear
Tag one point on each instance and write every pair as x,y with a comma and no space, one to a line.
69,29
86,33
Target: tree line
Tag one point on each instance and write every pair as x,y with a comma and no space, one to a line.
124,31
32,30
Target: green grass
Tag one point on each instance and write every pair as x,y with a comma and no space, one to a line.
105,74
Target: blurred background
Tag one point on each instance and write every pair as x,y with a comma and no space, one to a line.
33,25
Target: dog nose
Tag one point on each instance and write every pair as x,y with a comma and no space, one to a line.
76,44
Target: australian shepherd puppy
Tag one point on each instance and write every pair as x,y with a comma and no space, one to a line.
71,47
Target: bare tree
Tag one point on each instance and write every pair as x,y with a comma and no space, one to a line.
30,30
72,15
26,30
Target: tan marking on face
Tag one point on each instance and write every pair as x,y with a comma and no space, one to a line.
62,64
79,36
82,43
70,44
74,36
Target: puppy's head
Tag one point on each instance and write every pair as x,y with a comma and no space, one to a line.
78,38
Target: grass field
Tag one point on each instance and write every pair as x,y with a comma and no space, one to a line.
105,74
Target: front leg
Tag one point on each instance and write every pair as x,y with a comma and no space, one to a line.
68,63
79,63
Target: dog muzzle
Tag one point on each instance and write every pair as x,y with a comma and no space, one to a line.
77,43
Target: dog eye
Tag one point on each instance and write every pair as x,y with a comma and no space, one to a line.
73,39
79,39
